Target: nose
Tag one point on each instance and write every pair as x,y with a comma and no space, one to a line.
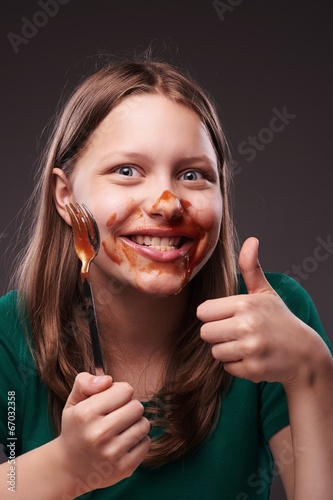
167,206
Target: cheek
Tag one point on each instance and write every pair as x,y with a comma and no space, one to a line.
113,226
207,215
208,220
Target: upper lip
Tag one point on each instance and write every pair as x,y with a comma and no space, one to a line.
189,232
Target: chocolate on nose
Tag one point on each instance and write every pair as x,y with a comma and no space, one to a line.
168,204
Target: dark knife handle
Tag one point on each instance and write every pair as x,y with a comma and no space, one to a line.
93,327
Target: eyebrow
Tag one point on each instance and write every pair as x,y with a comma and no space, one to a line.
125,154
132,155
197,159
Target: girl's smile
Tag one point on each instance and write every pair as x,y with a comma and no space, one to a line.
161,245
149,175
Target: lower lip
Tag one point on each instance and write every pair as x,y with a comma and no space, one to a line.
157,255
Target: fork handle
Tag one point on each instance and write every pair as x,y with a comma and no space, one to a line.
93,328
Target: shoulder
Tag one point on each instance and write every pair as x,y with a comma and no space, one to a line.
17,373
8,300
12,319
9,311
15,350
295,297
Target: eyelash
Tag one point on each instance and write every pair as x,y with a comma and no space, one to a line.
128,167
200,174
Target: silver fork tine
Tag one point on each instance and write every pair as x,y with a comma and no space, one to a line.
74,217
93,231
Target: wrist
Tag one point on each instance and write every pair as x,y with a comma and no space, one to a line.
314,365
72,485
61,466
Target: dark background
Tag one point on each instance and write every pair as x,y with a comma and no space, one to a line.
253,57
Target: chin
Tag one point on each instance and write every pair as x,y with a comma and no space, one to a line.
162,288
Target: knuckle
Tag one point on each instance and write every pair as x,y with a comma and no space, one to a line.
254,371
255,320
127,389
82,414
136,407
146,426
139,431
243,327
251,346
125,469
94,437
243,304
203,331
80,379
250,323
217,352
256,348
137,436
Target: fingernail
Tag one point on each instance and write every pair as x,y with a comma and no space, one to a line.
99,379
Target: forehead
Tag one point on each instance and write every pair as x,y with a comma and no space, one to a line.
152,118
151,107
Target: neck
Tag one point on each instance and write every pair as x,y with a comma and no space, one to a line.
138,331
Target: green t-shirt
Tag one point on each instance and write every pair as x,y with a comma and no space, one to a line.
235,463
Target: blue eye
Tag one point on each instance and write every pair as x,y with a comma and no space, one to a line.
127,171
192,175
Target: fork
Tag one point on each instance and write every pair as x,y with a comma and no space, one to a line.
86,243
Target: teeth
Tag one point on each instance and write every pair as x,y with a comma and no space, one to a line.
139,239
162,244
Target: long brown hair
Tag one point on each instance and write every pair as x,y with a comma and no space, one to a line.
48,274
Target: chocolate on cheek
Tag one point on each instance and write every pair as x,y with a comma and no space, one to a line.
185,203
111,252
109,244
111,220
207,238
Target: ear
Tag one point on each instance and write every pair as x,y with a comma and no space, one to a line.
62,193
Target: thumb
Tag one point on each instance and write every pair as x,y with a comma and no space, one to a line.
85,385
252,273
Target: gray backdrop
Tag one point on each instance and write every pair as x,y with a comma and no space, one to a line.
268,66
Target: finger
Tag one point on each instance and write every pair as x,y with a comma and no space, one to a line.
217,309
219,331
235,368
252,273
133,458
123,418
86,385
129,438
111,399
225,307
241,369
140,450
228,352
